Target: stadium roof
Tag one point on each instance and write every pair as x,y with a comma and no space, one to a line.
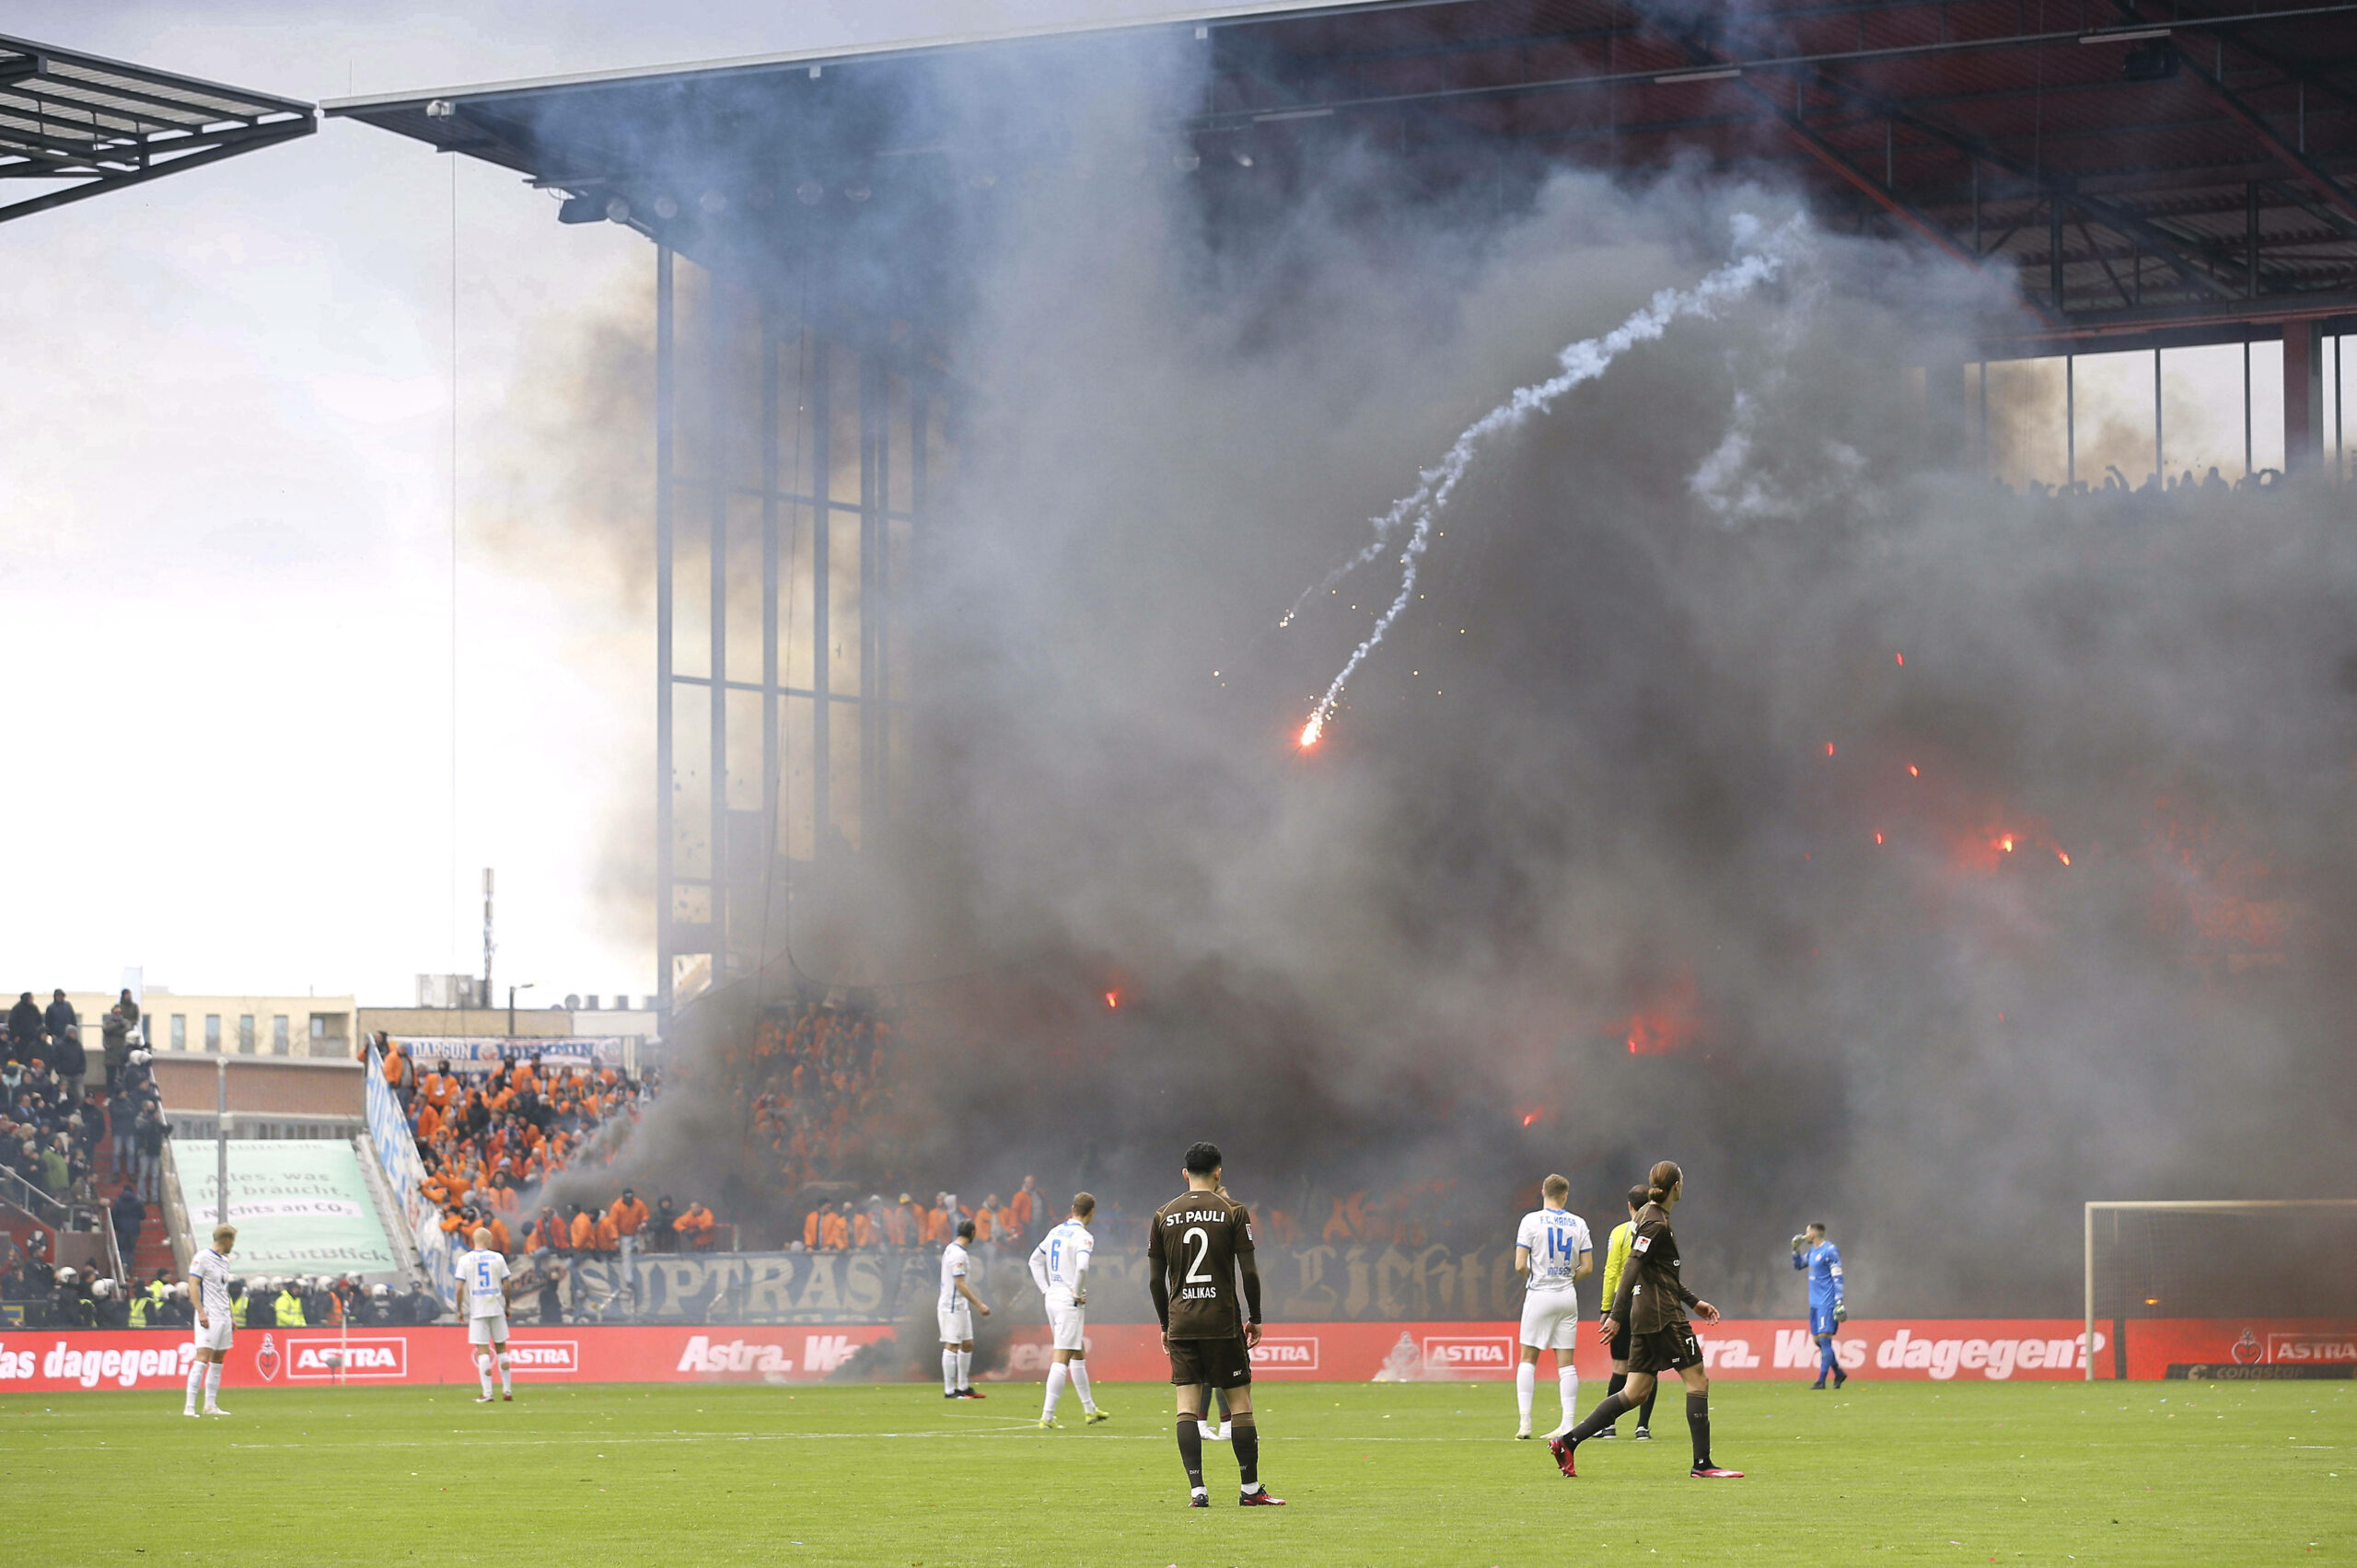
2146,173
97,124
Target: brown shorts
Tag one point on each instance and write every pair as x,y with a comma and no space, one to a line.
1667,1350
1620,1343
1223,1363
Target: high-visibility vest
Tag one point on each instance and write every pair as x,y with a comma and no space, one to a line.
139,1311
237,1310
290,1310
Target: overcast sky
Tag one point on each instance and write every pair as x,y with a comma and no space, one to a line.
226,570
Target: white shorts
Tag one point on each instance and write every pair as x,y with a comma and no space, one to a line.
215,1337
1550,1318
1065,1321
490,1329
957,1322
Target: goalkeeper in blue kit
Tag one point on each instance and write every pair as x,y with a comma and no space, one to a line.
1827,1307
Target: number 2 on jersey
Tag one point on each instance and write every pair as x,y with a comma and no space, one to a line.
1201,1238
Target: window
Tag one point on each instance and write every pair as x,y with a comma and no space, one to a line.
244,1034
180,1031
213,1031
278,1041
319,1025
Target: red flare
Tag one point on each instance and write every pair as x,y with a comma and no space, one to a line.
1828,748
1112,999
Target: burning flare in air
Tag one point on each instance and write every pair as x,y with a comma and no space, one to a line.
1757,260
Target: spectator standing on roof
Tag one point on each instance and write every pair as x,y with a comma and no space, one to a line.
60,1015
24,1025
71,1061
151,1129
114,1044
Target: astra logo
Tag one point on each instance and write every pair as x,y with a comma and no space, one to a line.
1286,1355
1466,1355
323,1358
2311,1347
544,1355
705,1355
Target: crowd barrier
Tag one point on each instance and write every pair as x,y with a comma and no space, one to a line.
1998,1350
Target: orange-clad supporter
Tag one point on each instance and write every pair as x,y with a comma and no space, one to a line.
609,1238
863,1230
396,1061
452,1220
1007,1230
809,1230
429,1120
936,1226
983,1223
437,1089
834,1233
1020,1206
584,1231
631,1213
896,1223
500,1239
696,1225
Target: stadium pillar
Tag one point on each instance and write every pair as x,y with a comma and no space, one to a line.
1944,410
2303,397
769,742
665,894
822,529
716,867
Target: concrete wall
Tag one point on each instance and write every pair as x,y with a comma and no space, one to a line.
261,1086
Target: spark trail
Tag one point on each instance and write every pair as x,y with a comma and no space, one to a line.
1759,256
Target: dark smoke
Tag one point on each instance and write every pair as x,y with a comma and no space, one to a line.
1588,781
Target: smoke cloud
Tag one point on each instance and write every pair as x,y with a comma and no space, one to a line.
1746,784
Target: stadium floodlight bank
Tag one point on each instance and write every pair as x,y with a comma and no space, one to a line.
2209,1257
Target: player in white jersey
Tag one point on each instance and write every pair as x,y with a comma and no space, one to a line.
208,1292
1060,1268
482,1296
1553,1252
957,1320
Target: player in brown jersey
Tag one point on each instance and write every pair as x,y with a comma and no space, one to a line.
1207,1293
1653,1302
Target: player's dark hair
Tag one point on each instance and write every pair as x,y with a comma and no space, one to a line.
1083,1204
1639,1197
1662,1181
965,1230
1203,1158
1817,1225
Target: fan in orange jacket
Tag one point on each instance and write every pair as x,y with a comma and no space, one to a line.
696,1225
629,1213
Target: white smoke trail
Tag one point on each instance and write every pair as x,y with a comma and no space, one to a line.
1758,257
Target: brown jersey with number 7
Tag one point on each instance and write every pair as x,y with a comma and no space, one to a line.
1195,1244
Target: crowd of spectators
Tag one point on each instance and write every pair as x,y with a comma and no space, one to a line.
55,1114
65,1297
817,1093
491,1142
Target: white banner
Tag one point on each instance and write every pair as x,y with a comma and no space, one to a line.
478,1055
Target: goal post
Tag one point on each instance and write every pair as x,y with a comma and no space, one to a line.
2216,1257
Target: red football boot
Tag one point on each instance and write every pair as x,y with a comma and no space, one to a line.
1561,1448
1712,1472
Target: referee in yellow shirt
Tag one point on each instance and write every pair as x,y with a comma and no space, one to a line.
1615,1258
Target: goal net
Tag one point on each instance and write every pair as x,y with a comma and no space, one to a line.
2280,1263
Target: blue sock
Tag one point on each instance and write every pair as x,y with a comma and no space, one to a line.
1826,1365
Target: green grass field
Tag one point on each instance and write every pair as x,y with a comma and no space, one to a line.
1376,1474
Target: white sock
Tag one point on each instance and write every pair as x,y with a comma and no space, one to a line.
1526,1389
196,1382
482,1370
1567,1384
507,1375
965,1369
212,1383
1080,1386
948,1370
1057,1374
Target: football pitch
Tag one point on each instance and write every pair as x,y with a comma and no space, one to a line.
2046,1473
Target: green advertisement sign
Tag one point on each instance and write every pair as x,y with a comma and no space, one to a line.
300,1205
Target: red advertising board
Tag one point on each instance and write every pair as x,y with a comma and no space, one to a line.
1997,1349
2242,1348
298,1358
1937,1349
